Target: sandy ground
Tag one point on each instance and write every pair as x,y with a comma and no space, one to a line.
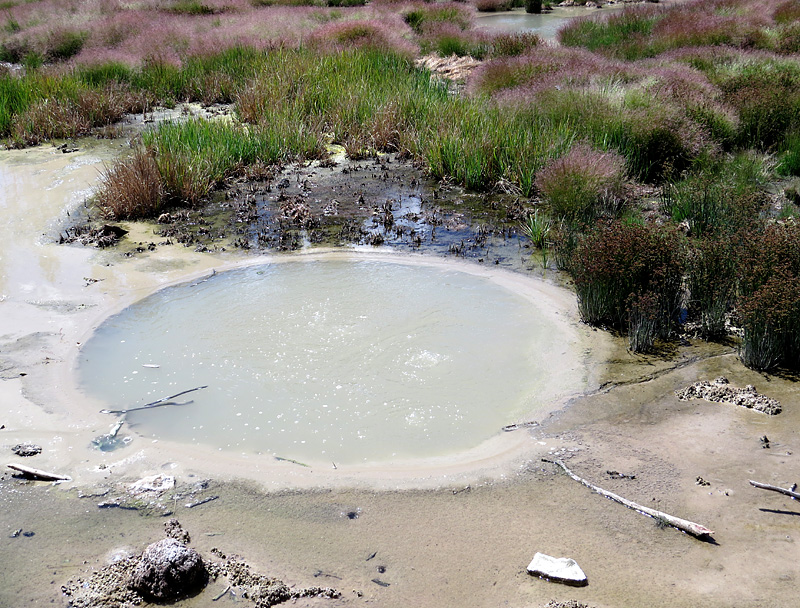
449,533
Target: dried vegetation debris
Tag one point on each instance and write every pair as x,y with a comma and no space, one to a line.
565,604
26,449
263,591
451,68
116,585
103,236
104,588
720,391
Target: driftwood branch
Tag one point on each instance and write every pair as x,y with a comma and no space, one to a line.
38,474
765,486
156,403
676,522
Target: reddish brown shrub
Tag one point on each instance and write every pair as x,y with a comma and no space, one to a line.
622,268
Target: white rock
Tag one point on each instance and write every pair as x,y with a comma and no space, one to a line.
558,569
153,484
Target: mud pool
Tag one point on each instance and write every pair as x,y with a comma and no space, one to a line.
451,533
344,360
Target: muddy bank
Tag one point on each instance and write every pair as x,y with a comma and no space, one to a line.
451,533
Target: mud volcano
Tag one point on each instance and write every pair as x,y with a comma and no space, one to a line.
345,359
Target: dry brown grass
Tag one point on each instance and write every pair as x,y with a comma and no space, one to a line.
131,188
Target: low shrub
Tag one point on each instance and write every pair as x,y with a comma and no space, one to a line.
771,321
630,276
642,322
514,44
771,252
583,185
64,44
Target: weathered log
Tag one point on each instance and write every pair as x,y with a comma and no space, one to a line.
676,522
38,474
766,486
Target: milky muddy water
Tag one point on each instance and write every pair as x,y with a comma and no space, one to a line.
349,360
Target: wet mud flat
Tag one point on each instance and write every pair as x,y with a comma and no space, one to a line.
453,536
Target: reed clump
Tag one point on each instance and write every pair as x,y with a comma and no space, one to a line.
629,277
712,269
769,292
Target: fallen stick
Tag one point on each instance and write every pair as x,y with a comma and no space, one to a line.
681,524
520,425
202,501
156,403
766,486
282,459
38,473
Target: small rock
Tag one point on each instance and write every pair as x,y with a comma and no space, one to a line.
27,449
558,569
155,484
169,570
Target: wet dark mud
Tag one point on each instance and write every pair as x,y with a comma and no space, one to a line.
338,202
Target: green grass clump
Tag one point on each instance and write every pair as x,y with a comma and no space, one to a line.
712,268
11,25
131,188
789,157
720,198
419,18
38,106
625,35
63,44
15,96
190,7
195,156
537,227
514,44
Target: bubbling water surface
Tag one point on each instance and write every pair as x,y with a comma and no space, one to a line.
328,360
